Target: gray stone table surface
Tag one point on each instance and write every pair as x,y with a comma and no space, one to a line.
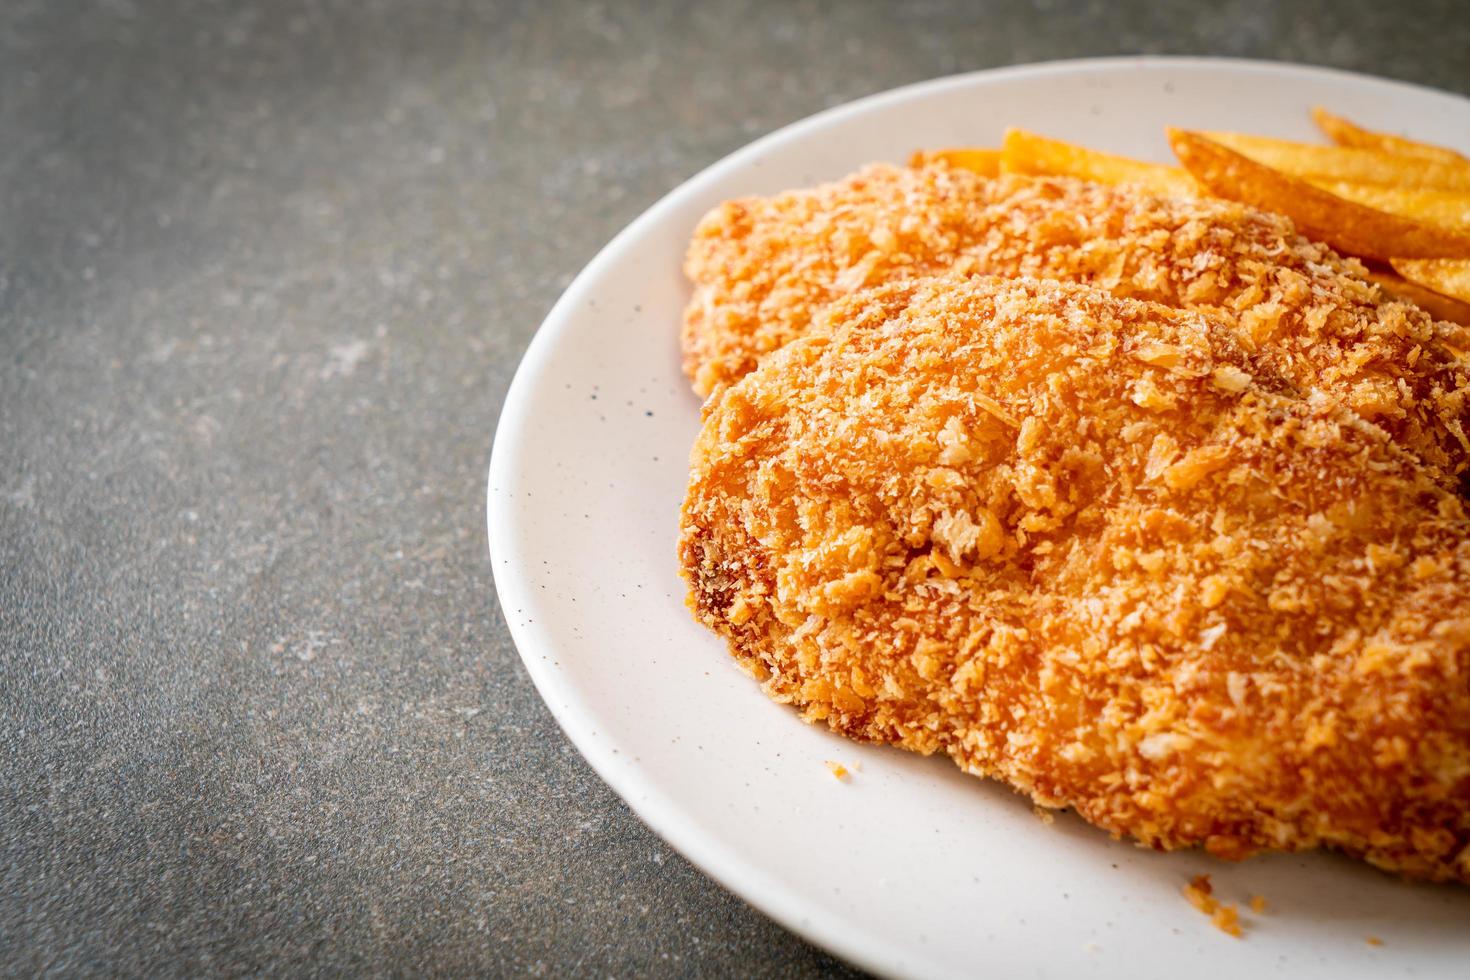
266,269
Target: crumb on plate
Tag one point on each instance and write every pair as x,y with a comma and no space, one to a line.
1227,920
1201,895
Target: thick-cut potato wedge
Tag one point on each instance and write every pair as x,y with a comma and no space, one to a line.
1344,132
1448,276
1346,226
1437,305
1027,153
982,160
1347,163
1444,208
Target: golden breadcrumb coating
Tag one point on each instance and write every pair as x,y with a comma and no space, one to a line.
1102,550
762,268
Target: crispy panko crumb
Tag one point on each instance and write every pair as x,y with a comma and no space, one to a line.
1201,894
1373,940
940,521
1227,920
837,769
1259,904
765,268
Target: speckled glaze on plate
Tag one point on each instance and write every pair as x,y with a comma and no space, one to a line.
909,868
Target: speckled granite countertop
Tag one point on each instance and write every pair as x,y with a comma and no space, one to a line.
266,270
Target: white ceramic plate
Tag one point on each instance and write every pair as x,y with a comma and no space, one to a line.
909,868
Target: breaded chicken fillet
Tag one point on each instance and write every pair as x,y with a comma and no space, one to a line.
1104,551
762,268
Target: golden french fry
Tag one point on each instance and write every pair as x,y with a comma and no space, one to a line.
1347,163
1347,226
1448,276
1444,208
1028,153
1437,305
1343,132
982,160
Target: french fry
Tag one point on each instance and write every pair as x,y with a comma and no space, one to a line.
982,160
1347,226
1028,153
1346,133
1444,208
1347,163
1437,305
1448,276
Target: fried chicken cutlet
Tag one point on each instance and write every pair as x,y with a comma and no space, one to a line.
762,268
1101,550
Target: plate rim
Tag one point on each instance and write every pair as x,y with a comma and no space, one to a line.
655,808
